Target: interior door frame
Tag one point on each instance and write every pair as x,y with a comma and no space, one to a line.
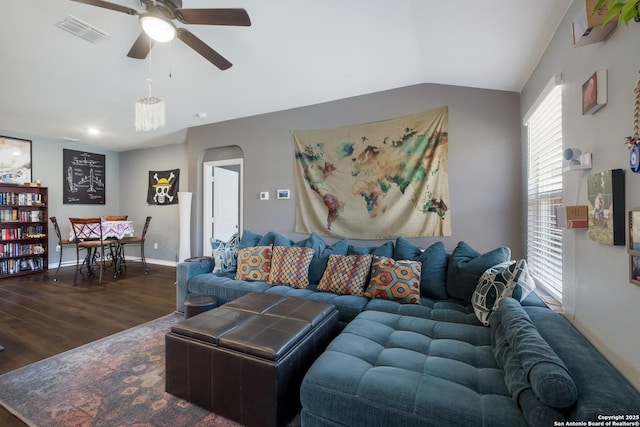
207,203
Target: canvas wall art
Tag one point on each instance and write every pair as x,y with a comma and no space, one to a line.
163,187
84,178
15,160
376,180
606,204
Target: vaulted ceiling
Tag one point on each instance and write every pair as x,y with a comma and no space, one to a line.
56,85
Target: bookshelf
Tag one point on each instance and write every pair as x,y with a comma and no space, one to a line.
23,230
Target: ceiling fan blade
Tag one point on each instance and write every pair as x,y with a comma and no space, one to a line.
107,5
199,46
237,17
141,46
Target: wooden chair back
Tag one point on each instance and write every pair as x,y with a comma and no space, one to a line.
116,217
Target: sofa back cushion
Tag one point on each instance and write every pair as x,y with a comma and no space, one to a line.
466,266
433,260
385,250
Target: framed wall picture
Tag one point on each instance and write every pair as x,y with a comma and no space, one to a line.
83,179
283,194
634,229
594,93
606,206
634,268
15,160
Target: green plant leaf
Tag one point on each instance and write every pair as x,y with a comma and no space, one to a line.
629,11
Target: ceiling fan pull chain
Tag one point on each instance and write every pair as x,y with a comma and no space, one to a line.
171,59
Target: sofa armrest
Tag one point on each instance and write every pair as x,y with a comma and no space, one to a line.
184,272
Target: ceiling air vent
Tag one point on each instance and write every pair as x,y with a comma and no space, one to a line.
82,29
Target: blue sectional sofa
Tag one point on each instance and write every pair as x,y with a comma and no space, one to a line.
435,363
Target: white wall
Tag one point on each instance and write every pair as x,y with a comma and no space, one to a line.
164,229
597,295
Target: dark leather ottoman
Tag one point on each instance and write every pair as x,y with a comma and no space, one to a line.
246,359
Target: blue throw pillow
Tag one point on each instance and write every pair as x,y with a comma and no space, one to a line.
466,266
274,238
384,250
321,254
249,239
433,278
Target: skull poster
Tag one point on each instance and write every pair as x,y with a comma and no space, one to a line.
163,187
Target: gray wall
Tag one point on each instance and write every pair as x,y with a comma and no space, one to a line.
484,159
164,229
597,295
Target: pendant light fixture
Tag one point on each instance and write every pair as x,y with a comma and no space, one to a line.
150,112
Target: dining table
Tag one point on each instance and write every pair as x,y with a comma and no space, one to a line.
110,230
113,231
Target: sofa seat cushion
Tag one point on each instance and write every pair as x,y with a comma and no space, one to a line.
450,310
223,286
348,306
388,369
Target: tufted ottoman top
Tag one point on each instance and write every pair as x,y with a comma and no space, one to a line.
402,370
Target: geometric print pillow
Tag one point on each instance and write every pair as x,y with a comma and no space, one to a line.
395,280
254,263
290,266
508,279
345,274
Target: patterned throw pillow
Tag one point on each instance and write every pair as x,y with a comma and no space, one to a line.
290,266
345,274
254,263
225,254
507,279
395,280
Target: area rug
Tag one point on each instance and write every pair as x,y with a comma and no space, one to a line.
115,381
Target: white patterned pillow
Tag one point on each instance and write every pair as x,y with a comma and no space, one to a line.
225,254
508,279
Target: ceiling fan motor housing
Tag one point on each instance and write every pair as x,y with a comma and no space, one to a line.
173,4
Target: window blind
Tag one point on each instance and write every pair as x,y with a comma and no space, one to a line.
544,239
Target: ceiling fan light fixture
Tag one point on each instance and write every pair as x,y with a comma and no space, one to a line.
157,28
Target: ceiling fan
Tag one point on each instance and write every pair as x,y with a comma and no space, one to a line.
157,26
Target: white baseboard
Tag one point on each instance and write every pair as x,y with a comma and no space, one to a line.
72,263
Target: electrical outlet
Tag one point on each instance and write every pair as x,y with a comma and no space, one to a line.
155,246
57,248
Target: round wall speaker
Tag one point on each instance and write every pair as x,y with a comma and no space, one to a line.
571,154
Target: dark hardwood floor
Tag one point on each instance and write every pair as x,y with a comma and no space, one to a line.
40,318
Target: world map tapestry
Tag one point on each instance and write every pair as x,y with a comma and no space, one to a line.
376,180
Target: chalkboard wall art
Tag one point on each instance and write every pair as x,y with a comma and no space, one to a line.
84,178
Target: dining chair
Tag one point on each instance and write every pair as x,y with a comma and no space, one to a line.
116,217
88,237
61,242
138,240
